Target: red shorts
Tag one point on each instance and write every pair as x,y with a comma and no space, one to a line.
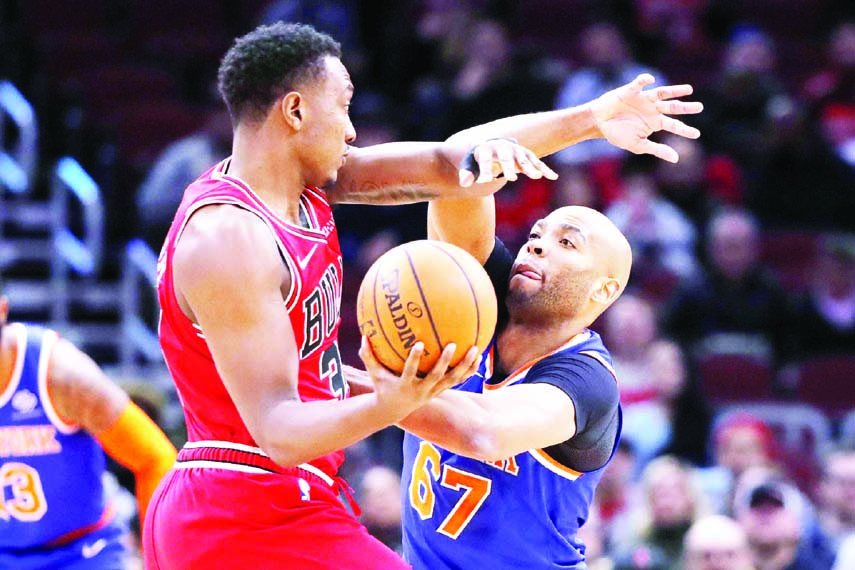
217,517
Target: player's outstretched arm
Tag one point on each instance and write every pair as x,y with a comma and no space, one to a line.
395,173
84,396
625,116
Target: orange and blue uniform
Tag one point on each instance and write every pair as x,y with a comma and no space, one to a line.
53,512
523,511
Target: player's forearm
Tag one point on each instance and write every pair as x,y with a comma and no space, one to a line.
543,133
455,421
404,172
296,432
136,442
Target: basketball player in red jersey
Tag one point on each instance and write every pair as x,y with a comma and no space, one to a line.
250,287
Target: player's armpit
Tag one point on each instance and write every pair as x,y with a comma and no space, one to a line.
136,442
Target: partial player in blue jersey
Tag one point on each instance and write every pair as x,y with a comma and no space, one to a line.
57,411
500,472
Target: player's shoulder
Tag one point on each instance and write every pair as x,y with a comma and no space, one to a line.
223,240
587,366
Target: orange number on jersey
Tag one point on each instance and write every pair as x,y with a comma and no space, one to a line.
475,491
28,502
426,469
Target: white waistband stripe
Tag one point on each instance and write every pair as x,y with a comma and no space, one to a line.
247,449
225,445
196,463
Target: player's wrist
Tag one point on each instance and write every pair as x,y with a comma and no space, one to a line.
595,114
390,410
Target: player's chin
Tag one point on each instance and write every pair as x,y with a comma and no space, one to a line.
330,179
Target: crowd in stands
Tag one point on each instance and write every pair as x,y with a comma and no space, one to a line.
741,304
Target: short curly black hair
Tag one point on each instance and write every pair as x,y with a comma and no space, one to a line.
268,62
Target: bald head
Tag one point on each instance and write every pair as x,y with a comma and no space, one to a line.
612,248
716,542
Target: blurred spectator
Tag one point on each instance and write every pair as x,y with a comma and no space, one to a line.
737,296
442,33
833,87
741,443
177,166
698,184
735,109
380,501
661,236
663,27
824,318
837,495
592,536
607,64
682,405
780,526
671,503
800,180
630,328
574,186
716,542
338,18
495,80
616,493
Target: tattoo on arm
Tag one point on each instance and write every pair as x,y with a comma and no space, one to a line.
373,193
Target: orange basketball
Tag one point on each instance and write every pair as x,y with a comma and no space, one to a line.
426,291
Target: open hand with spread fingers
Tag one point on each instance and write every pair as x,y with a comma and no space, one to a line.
628,115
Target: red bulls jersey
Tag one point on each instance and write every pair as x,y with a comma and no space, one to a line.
313,257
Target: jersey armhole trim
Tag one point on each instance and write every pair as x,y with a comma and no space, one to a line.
296,283
49,340
15,380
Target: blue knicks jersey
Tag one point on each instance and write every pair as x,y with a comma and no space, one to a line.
521,512
50,472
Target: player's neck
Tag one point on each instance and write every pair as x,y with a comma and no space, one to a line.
268,171
521,342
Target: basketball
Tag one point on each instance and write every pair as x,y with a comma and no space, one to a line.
426,291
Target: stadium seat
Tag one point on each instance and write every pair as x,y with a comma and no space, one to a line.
730,376
790,254
827,382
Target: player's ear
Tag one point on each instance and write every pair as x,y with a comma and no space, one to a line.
606,291
292,108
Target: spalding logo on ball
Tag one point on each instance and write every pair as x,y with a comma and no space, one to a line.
427,291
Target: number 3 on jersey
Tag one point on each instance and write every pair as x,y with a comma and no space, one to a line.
427,470
28,502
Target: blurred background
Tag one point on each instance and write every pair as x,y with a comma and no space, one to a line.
735,343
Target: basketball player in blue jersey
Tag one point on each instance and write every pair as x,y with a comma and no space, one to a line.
500,472
57,411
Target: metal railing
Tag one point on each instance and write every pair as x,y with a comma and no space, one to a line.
139,277
83,255
18,161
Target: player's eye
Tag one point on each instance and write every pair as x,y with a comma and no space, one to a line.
566,242
533,235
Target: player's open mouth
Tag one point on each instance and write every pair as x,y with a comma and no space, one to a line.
528,272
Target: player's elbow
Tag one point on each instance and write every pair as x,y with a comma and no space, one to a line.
287,455
484,442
